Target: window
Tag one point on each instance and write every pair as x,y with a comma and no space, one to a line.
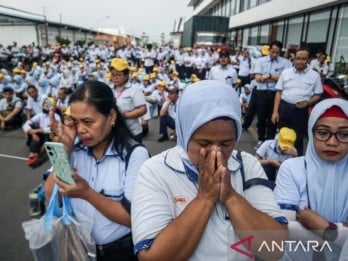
318,26
295,30
341,57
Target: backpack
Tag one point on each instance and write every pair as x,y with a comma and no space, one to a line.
254,181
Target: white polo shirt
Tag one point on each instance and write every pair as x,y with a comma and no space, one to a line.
35,105
269,151
129,99
163,190
227,74
109,177
299,86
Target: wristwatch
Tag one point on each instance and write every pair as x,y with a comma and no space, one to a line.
330,232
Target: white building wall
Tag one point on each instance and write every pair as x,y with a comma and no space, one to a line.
274,9
23,35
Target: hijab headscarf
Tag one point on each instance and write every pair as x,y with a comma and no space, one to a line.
327,181
202,102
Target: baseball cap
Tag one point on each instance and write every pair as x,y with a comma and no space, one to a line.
119,64
265,50
146,78
286,138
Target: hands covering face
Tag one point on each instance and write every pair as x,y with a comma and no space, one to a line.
214,179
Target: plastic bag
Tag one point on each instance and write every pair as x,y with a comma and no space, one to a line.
65,238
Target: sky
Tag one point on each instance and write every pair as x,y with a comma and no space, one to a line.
153,17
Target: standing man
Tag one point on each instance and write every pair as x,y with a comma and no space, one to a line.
267,72
297,89
224,71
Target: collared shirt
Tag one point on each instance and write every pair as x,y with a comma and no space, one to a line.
164,189
265,65
41,121
35,105
299,86
5,105
269,150
227,74
109,177
130,98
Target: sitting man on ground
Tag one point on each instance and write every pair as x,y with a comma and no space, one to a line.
10,110
38,131
168,113
273,152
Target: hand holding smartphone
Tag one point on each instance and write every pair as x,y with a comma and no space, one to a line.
60,161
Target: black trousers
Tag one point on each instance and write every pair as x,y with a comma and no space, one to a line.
297,119
166,122
120,250
251,111
266,130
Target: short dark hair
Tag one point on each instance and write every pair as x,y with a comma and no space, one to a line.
277,43
8,89
32,87
303,49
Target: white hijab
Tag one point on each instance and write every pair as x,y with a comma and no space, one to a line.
327,182
202,102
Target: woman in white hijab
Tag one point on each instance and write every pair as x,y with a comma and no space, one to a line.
313,190
189,202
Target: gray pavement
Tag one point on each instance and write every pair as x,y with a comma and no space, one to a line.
18,179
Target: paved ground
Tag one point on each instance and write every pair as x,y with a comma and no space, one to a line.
18,180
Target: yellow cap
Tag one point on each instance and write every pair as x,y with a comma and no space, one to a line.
265,50
153,75
175,73
146,78
286,138
134,75
189,49
132,68
162,83
34,64
67,111
108,75
328,59
119,64
155,69
16,70
1,75
50,101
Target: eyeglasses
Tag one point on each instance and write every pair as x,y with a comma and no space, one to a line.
325,135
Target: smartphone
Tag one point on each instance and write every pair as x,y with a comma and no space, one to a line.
59,159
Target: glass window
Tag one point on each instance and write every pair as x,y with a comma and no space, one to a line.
278,28
253,36
318,26
245,40
253,3
264,37
341,57
295,30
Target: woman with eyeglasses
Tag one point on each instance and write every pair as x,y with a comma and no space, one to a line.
313,190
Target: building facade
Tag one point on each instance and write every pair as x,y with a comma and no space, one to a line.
321,25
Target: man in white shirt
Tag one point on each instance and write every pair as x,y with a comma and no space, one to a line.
224,71
168,113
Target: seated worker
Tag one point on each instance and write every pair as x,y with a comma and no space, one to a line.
312,190
10,110
245,97
189,202
38,131
273,152
168,113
